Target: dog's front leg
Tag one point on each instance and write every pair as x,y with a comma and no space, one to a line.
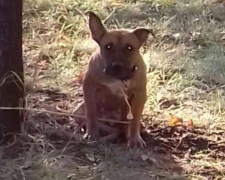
137,106
92,131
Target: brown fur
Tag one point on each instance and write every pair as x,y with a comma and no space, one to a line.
102,82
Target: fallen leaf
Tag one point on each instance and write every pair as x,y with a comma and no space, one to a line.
190,124
176,35
67,39
144,157
70,176
90,157
175,121
43,65
187,155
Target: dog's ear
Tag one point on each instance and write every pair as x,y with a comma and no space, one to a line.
142,34
96,27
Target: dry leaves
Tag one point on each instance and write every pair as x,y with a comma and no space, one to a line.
190,124
177,121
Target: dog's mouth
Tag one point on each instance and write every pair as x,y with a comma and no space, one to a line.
120,72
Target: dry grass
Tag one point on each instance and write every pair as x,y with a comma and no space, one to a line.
186,77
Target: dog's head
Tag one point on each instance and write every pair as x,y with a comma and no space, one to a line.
119,48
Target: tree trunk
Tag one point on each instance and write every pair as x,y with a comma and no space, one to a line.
11,65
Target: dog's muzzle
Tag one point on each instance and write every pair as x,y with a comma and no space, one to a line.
118,71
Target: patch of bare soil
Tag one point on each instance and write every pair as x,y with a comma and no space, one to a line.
184,144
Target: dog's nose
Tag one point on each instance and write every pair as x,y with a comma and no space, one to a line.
117,67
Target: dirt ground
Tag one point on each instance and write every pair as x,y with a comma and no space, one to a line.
186,78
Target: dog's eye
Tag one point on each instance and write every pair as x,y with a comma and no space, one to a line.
108,46
129,47
134,68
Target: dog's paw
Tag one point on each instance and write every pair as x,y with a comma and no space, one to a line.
92,135
136,141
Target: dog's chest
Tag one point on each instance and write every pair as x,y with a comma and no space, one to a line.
111,95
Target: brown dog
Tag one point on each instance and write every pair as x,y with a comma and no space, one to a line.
116,66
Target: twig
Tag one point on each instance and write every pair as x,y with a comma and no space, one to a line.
10,144
22,173
180,141
82,14
67,144
36,67
62,114
7,75
109,16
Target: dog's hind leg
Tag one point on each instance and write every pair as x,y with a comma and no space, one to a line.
112,133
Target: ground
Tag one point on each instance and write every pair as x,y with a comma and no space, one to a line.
186,78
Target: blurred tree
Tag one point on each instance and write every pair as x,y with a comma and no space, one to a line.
11,65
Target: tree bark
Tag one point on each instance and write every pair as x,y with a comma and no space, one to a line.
11,65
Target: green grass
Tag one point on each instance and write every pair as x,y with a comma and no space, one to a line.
185,61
